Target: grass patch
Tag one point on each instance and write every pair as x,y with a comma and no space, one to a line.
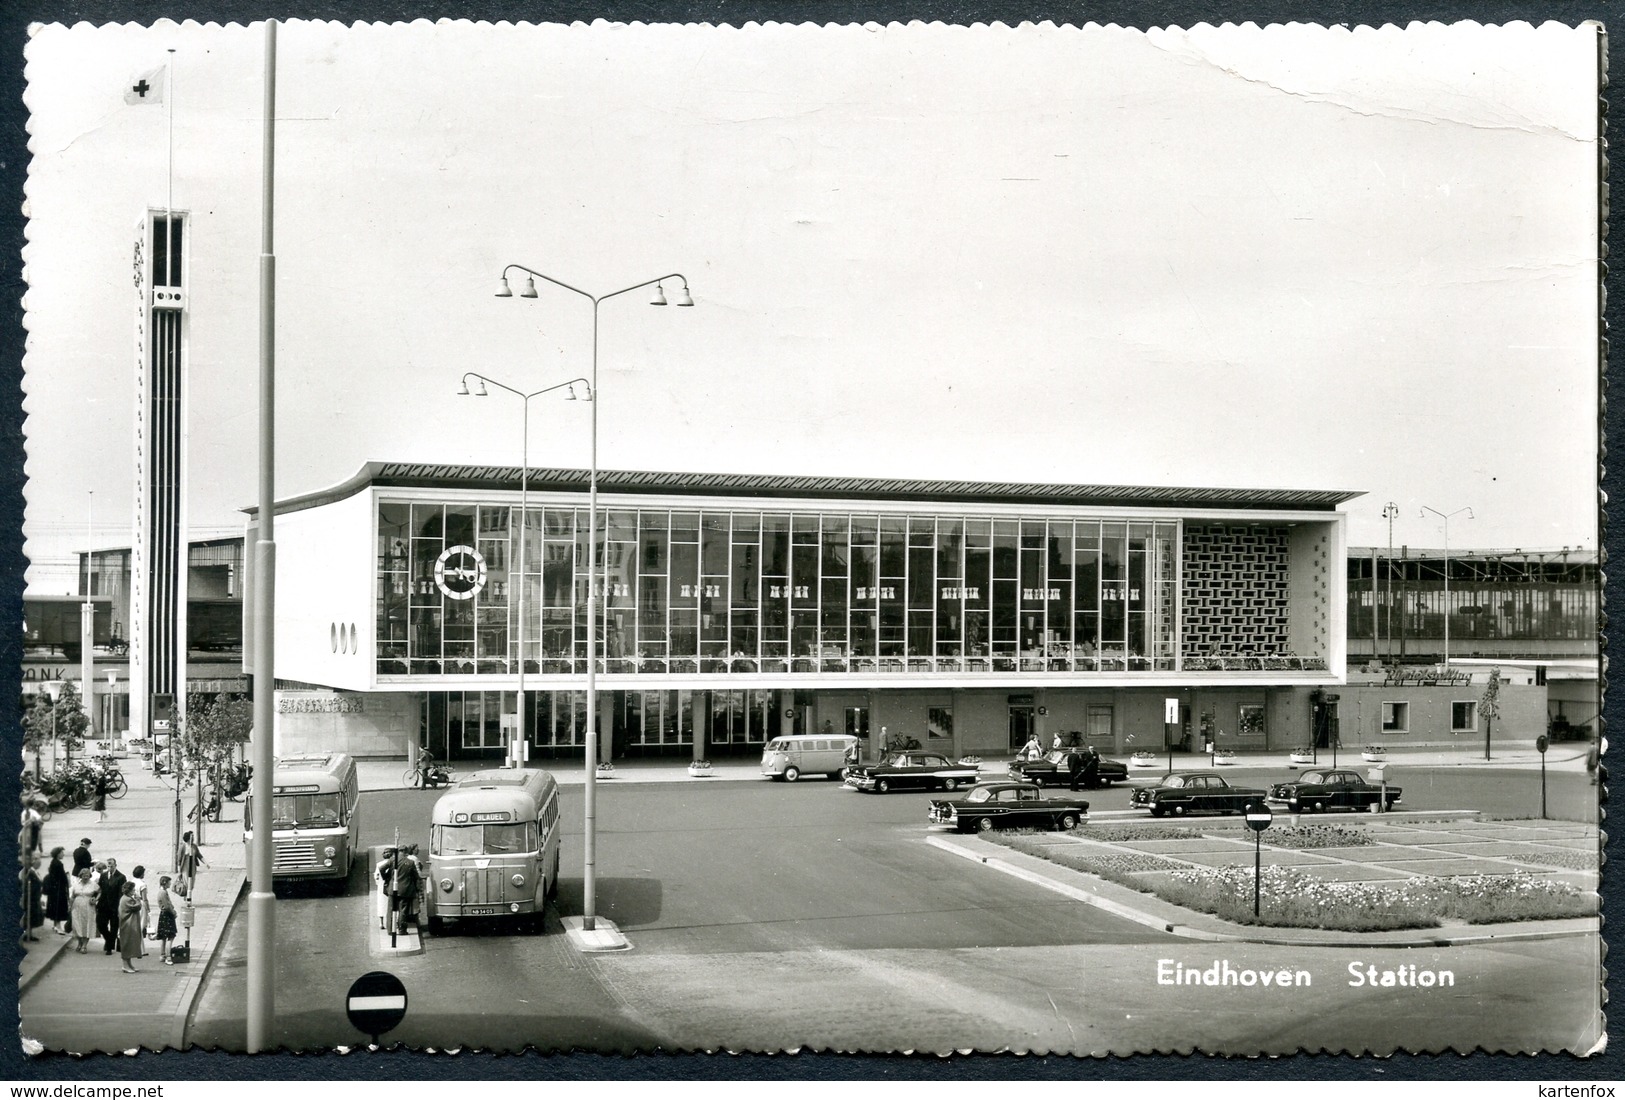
1317,836
1118,867
1117,834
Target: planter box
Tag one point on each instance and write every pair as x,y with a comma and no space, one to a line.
1142,760
1221,759
1302,758
698,771
1378,757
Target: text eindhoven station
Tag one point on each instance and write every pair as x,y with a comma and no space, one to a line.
735,609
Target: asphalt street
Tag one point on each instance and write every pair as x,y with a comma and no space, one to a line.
771,916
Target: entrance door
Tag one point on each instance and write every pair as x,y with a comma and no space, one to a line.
1021,727
1323,717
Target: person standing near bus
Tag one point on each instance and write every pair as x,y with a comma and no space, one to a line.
407,879
386,872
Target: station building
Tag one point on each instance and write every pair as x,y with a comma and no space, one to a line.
738,608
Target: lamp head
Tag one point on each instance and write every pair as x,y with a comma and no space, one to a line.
660,296
682,296
530,287
462,391
502,290
481,391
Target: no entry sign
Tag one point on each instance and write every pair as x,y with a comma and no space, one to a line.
376,1003
1258,816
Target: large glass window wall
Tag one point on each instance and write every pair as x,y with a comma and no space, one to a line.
765,591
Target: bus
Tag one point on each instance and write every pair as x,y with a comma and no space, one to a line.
315,818
494,849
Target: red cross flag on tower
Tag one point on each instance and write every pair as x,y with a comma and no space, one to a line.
146,88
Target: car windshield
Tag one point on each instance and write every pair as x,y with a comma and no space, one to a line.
483,840
1057,756
1172,781
980,794
1311,777
305,811
776,746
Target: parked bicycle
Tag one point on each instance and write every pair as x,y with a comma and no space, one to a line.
428,774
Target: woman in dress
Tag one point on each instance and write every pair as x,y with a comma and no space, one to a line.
139,877
82,907
34,898
56,893
129,927
166,919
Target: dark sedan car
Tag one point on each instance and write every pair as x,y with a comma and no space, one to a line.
902,770
1194,793
1052,770
1318,791
1006,806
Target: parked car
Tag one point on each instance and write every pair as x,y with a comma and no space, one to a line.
1340,789
919,770
794,755
1194,793
1052,769
1006,805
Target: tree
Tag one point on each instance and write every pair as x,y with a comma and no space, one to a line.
210,733
1489,706
63,718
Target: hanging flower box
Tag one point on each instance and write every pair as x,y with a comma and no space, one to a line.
1302,756
1143,760
1375,754
1225,756
699,768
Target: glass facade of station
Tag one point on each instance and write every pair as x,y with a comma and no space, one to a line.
758,590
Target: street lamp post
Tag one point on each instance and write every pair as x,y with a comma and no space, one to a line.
524,512
1446,518
589,875
1389,512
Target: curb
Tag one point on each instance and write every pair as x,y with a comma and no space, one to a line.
195,982
1229,932
604,937
24,984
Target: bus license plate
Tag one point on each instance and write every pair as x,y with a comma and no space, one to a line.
480,911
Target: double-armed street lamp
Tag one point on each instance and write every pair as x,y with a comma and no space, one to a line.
484,380
1446,518
589,876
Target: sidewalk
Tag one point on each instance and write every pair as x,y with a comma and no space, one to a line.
79,1002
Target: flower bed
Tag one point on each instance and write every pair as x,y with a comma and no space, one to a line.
1118,867
1316,836
1117,834
1574,861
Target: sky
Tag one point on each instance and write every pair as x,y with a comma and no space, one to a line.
1292,257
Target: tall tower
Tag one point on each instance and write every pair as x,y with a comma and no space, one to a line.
159,560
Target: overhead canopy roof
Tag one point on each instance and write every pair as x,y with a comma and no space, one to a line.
420,475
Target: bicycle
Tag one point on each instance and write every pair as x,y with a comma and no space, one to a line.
429,776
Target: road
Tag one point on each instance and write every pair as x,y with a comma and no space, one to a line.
772,916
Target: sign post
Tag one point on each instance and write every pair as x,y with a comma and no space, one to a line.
376,1003
1258,819
1542,743
1170,723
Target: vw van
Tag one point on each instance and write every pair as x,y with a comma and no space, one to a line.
789,758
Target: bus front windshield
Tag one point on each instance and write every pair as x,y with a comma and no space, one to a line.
483,840
306,811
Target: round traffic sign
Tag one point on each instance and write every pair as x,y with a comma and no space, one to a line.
376,1003
1258,816
1542,743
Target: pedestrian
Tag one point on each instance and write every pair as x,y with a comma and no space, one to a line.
1593,761
33,894
1091,768
101,795
82,897
57,885
189,860
1032,750
1055,742
82,857
165,932
33,823
107,905
138,877
407,879
1074,767
386,872
129,927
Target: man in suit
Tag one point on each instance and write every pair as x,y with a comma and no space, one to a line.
82,857
112,884
1074,766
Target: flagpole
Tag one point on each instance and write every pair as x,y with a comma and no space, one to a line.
261,900
169,174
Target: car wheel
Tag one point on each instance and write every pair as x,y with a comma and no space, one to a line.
950,784
1035,780
1104,781
1068,822
436,927
1318,807
1156,811
1179,810
791,774
985,825
881,786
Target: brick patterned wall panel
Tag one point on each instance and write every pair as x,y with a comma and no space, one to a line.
1234,591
